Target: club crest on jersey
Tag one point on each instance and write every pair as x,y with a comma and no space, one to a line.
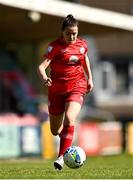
73,58
49,48
82,50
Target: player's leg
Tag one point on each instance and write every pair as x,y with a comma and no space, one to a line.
66,135
73,105
56,110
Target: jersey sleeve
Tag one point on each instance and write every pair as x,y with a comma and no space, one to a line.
86,46
84,50
51,52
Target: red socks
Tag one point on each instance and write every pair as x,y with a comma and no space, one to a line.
66,137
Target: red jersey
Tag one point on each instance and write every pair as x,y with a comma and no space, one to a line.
67,72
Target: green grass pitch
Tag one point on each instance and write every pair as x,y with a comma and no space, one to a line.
107,167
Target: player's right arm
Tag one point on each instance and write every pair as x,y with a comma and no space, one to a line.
42,72
47,58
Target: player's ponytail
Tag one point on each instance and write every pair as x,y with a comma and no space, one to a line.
69,21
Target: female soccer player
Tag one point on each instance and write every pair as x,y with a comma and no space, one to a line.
70,79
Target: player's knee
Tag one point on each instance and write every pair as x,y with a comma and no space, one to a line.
69,118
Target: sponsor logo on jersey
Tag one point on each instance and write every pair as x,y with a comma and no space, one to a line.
82,50
73,58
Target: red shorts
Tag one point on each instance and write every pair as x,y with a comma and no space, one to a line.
57,101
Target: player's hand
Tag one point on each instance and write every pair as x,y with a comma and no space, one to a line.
89,85
48,82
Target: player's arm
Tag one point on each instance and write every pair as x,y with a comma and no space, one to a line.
42,72
87,70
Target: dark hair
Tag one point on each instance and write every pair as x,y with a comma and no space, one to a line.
69,21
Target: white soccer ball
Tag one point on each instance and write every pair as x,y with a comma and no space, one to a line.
74,157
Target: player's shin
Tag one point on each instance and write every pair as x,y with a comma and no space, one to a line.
66,137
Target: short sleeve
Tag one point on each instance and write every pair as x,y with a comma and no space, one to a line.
51,52
86,46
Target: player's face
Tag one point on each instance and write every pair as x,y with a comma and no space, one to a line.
70,34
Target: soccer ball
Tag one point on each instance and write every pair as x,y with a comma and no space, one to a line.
74,157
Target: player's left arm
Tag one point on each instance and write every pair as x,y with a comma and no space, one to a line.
87,70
